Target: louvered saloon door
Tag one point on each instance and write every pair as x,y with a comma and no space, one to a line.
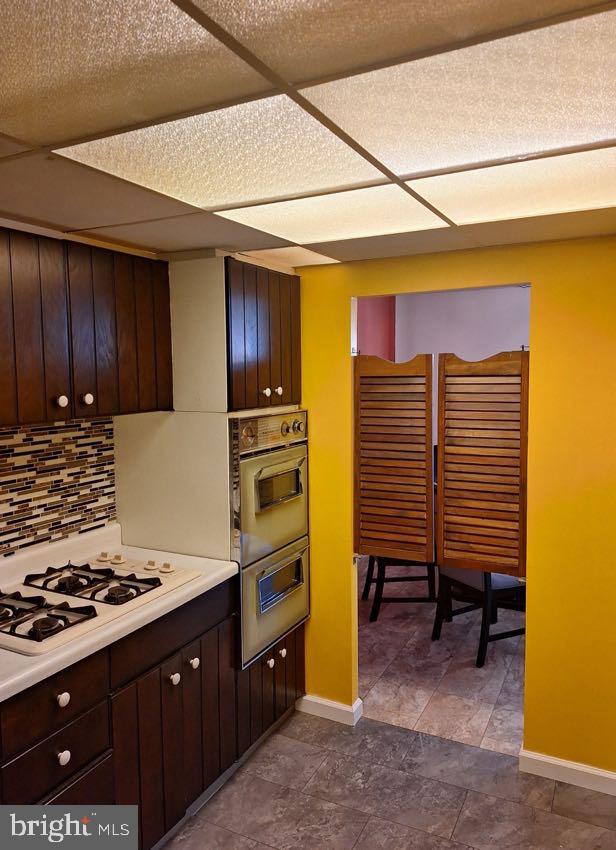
393,458
481,494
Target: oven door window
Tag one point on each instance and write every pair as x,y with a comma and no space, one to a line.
276,584
276,489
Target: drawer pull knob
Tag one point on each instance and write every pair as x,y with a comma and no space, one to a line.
63,699
175,678
279,390
283,653
64,757
194,663
267,392
271,663
87,399
62,401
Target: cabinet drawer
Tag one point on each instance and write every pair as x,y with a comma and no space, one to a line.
37,712
94,786
34,774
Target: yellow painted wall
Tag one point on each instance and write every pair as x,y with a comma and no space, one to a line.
571,619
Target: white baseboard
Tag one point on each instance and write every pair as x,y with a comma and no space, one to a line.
330,710
573,772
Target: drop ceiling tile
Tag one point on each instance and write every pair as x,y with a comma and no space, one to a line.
517,231
317,38
579,181
252,151
71,69
547,89
48,189
8,147
292,257
188,233
341,215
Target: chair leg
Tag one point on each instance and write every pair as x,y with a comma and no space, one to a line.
378,591
494,617
369,577
441,608
432,582
448,600
485,620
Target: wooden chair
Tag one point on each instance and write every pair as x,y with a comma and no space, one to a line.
382,579
485,591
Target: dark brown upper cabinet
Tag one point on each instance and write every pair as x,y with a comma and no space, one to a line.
264,336
83,331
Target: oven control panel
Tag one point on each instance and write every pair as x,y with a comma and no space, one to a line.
268,432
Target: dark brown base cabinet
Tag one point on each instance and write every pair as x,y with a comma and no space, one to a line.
153,720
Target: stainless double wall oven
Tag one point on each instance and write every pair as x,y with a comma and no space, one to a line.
270,526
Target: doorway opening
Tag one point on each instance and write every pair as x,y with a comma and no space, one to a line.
405,678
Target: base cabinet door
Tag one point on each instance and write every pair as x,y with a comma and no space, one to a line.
191,722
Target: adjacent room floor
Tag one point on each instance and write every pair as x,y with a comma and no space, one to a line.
318,785
408,680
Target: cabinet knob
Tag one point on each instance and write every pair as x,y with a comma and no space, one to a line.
63,699
62,401
271,663
87,398
194,663
267,392
175,678
64,757
283,653
279,390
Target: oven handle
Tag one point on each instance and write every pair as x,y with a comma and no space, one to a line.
297,556
261,475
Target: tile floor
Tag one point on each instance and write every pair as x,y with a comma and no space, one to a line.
408,680
318,785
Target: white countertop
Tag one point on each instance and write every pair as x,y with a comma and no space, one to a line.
18,672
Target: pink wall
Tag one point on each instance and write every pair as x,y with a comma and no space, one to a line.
376,326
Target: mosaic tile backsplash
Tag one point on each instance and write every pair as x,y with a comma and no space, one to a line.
55,480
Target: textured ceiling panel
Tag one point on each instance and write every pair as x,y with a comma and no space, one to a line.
541,90
579,181
62,193
343,215
292,257
253,151
70,69
187,233
542,229
305,39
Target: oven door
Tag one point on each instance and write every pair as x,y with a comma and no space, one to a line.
273,501
275,598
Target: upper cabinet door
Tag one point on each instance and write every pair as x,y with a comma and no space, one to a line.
264,338
83,333
8,387
146,335
56,344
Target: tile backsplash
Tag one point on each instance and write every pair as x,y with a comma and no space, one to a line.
55,480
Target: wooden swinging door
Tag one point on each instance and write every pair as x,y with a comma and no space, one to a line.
393,512
481,494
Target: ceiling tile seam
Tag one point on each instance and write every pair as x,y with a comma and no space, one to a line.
512,160
240,50
34,148
452,46
140,221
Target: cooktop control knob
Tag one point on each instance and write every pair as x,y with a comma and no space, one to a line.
285,428
118,559
167,568
298,426
151,565
104,556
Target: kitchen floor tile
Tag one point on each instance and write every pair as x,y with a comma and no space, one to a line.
396,700
198,834
456,718
477,770
581,804
283,818
504,731
487,823
401,797
384,835
511,695
377,741
286,761
464,679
